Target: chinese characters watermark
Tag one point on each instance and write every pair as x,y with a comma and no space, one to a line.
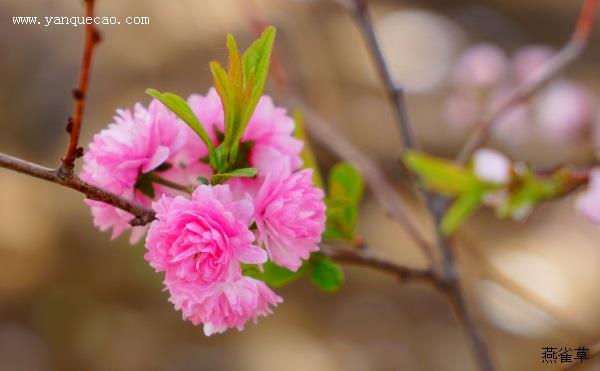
564,354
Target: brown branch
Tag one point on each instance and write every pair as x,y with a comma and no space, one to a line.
452,287
145,215
382,190
570,51
394,91
364,258
448,277
92,38
142,215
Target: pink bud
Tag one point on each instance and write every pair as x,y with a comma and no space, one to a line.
491,166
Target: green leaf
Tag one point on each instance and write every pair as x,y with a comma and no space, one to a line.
240,88
247,172
342,218
203,180
227,93
346,189
255,64
234,67
439,175
463,207
333,233
307,155
180,107
325,274
345,182
273,275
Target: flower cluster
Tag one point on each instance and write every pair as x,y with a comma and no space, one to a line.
203,241
484,75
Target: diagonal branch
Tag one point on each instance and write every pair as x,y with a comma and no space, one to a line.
394,91
448,277
382,190
142,214
543,75
92,38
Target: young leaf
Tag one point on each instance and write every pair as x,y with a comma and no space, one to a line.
180,107
459,211
227,92
344,194
345,182
439,175
255,64
325,274
247,172
342,217
234,67
273,275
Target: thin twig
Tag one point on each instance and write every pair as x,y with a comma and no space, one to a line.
366,259
142,215
384,192
92,38
448,276
394,91
544,74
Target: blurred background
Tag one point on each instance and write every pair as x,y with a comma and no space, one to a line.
70,299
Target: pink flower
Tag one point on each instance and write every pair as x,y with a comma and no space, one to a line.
588,203
491,166
136,143
290,216
202,239
223,305
270,130
199,243
481,66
